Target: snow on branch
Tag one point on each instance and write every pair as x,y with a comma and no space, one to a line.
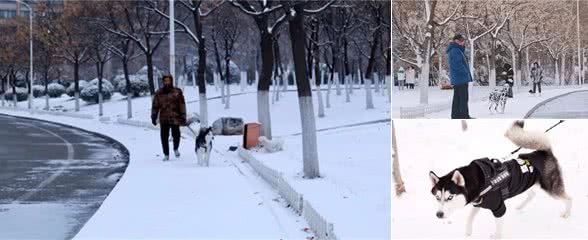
320,9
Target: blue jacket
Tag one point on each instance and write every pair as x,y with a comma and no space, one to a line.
459,72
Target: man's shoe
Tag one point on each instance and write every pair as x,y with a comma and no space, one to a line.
177,153
166,158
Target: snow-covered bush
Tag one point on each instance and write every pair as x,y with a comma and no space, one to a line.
105,84
138,87
157,74
70,89
55,90
233,70
90,93
21,94
38,90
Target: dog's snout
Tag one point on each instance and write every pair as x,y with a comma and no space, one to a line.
440,214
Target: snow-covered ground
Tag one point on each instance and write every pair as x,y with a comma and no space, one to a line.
355,188
516,107
176,199
441,146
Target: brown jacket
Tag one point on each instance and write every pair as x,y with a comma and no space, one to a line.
170,106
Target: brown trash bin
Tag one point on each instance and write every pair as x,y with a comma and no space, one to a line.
251,133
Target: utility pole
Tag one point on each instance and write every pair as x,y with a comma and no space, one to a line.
580,60
172,41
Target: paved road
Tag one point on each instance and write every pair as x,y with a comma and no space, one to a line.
567,106
53,178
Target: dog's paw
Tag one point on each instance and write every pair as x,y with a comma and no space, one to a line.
565,215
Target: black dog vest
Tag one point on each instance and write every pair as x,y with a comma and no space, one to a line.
503,181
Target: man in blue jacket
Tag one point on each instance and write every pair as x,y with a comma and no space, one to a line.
459,74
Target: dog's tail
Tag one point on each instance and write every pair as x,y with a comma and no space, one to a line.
527,139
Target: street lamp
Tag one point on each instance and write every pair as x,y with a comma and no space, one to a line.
30,51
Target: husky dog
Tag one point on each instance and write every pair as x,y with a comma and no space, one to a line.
486,183
204,146
498,98
271,146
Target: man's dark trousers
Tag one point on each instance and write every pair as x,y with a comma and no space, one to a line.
459,108
175,129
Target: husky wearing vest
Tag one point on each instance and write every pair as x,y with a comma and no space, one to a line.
486,183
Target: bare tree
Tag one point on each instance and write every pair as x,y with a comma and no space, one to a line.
262,12
399,186
145,28
73,45
295,12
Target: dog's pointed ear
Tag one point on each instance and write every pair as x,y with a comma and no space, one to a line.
434,178
457,178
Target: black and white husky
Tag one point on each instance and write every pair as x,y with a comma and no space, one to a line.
498,98
204,146
486,183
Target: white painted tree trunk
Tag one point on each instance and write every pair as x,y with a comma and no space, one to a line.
389,88
215,80
329,94
557,79
228,99
203,109
369,102
256,78
46,102
77,101
321,106
263,113
423,79
243,81
399,184
563,67
347,91
309,143
528,69
222,88
376,82
14,99
337,83
2,100
100,100
194,80
129,105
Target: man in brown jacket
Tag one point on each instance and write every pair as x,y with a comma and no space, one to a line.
170,105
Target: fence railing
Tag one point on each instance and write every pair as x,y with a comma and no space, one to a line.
322,228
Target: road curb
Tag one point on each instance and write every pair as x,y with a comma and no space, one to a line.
541,104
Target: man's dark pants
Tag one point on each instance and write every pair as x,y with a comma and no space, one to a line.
175,129
459,108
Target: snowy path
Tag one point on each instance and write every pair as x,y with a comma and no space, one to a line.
569,106
53,178
177,200
442,147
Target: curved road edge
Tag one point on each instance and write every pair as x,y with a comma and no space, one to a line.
541,104
125,153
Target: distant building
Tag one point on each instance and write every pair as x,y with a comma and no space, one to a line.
12,8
